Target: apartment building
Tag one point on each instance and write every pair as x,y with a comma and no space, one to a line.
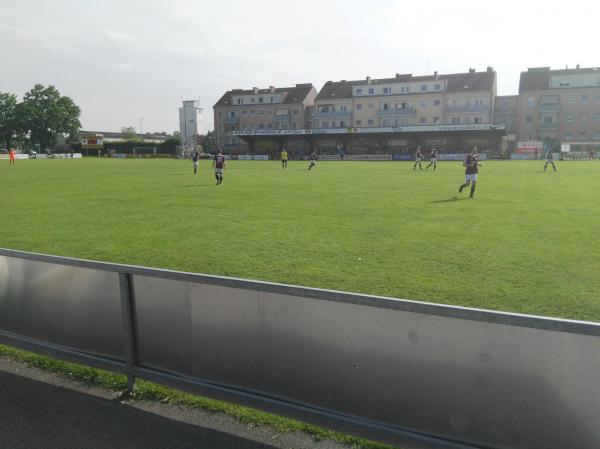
284,108
559,104
405,100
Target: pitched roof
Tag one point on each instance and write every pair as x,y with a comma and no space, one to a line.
296,94
457,82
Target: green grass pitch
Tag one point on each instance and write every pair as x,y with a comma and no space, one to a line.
528,242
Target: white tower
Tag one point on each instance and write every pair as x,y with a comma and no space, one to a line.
190,122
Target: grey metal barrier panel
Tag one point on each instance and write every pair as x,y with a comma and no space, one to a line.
392,370
506,382
68,307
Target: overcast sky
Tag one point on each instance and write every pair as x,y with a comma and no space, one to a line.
122,60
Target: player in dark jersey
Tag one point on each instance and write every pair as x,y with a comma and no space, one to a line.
472,165
433,159
313,160
549,160
418,158
195,159
219,166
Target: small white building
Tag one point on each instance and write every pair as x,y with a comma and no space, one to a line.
190,122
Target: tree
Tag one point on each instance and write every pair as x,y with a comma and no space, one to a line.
11,119
129,134
208,142
48,115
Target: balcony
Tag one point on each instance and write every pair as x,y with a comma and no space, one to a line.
281,118
549,107
551,125
466,108
395,112
333,114
231,120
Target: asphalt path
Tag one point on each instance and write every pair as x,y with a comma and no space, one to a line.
35,414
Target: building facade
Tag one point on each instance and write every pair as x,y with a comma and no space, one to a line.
190,122
285,108
560,105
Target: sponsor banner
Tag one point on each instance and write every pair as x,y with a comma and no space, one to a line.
244,157
40,156
330,157
451,156
397,142
402,157
77,155
530,147
436,142
565,148
260,157
119,155
522,157
368,157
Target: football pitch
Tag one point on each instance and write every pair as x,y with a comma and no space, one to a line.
529,241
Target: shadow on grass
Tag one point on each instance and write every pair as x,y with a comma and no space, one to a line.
450,200
200,185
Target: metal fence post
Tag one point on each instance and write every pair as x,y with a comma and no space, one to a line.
129,327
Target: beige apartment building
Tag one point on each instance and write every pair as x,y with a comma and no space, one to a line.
261,110
405,100
560,104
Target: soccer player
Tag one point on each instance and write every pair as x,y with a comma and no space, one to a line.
195,158
284,158
472,165
313,160
433,159
549,160
11,156
418,158
219,166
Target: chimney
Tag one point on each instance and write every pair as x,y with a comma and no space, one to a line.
435,74
577,66
272,89
368,80
397,76
471,70
255,89
490,68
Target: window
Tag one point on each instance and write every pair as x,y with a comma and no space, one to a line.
385,106
358,122
371,106
422,120
423,87
597,117
342,124
530,102
325,124
358,91
232,114
455,120
387,90
529,119
269,112
269,126
220,114
358,106
261,126
325,109
436,102
244,112
477,120
386,123
240,101
370,122
438,87
260,99
596,136
344,108
371,91
295,112
583,118
272,99
547,119
582,135
568,136
569,117
549,99
423,103
333,124
252,112
253,100
571,100
436,120
597,98
405,89
294,125
584,98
